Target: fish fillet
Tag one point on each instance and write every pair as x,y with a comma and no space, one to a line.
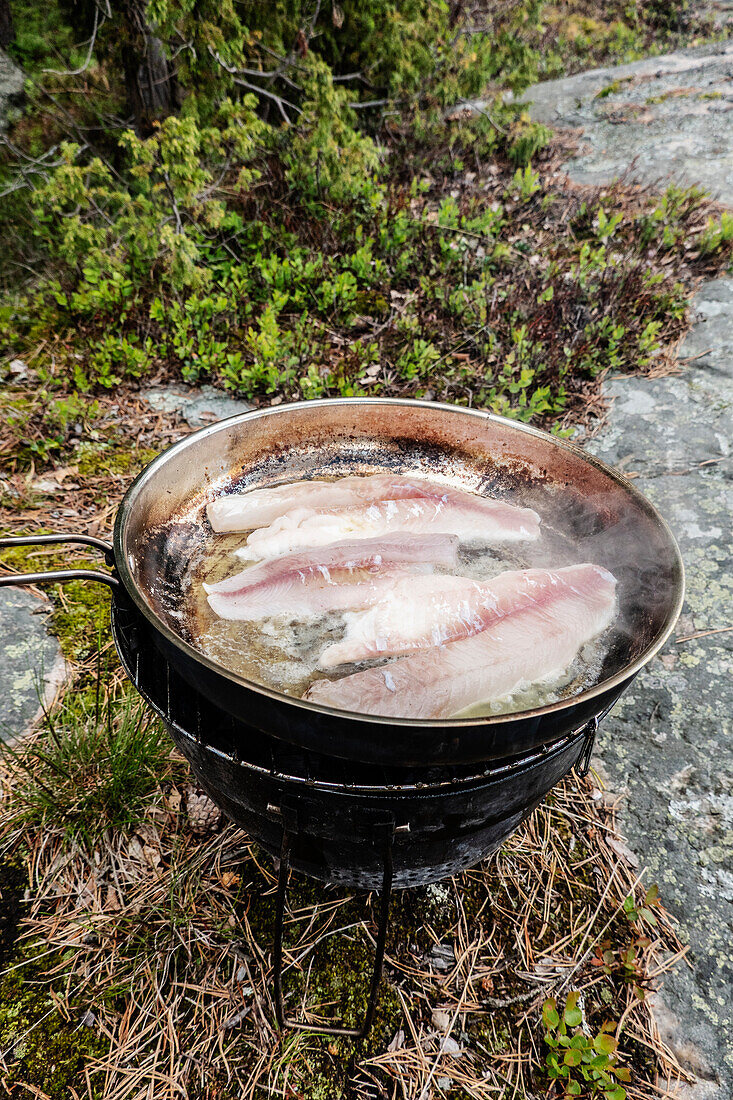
472,518
258,507
419,612
532,643
316,581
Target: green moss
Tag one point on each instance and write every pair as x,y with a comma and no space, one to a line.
97,459
82,619
337,982
48,1051
612,88
673,93
80,615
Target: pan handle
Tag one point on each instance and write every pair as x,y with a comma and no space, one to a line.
60,574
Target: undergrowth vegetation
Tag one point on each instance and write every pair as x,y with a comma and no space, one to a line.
144,952
581,34
309,211
93,770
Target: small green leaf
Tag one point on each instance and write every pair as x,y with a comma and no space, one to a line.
550,1017
604,1043
573,1017
572,1057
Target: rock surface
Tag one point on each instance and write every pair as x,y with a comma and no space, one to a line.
31,665
663,118
197,406
11,84
668,743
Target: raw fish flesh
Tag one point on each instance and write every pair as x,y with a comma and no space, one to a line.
471,517
419,612
258,507
535,642
314,582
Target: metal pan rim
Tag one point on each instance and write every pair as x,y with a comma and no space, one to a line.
623,675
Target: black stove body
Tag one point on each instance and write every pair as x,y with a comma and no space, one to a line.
367,826
440,820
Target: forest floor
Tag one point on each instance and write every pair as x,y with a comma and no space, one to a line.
135,952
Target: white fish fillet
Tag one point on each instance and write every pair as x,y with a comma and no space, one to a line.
420,612
536,642
258,507
317,581
471,517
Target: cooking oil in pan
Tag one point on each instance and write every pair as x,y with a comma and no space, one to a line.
283,654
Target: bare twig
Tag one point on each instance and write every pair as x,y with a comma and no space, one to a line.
87,60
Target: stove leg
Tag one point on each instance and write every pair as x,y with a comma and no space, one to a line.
582,767
277,950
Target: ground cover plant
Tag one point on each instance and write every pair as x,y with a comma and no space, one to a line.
583,34
274,227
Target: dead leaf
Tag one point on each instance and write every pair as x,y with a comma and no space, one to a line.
112,901
622,850
173,801
135,850
236,1018
449,1045
398,1041
229,879
441,1019
151,855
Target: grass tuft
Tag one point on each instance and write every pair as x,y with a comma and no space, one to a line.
91,768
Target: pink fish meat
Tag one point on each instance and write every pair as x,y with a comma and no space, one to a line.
419,612
316,581
471,518
534,641
258,507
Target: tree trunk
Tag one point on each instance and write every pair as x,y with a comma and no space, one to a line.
7,33
150,79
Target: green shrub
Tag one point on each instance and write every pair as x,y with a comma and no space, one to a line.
301,219
584,1064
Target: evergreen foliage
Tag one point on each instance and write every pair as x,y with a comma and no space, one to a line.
300,201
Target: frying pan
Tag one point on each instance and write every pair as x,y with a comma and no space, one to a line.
162,541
